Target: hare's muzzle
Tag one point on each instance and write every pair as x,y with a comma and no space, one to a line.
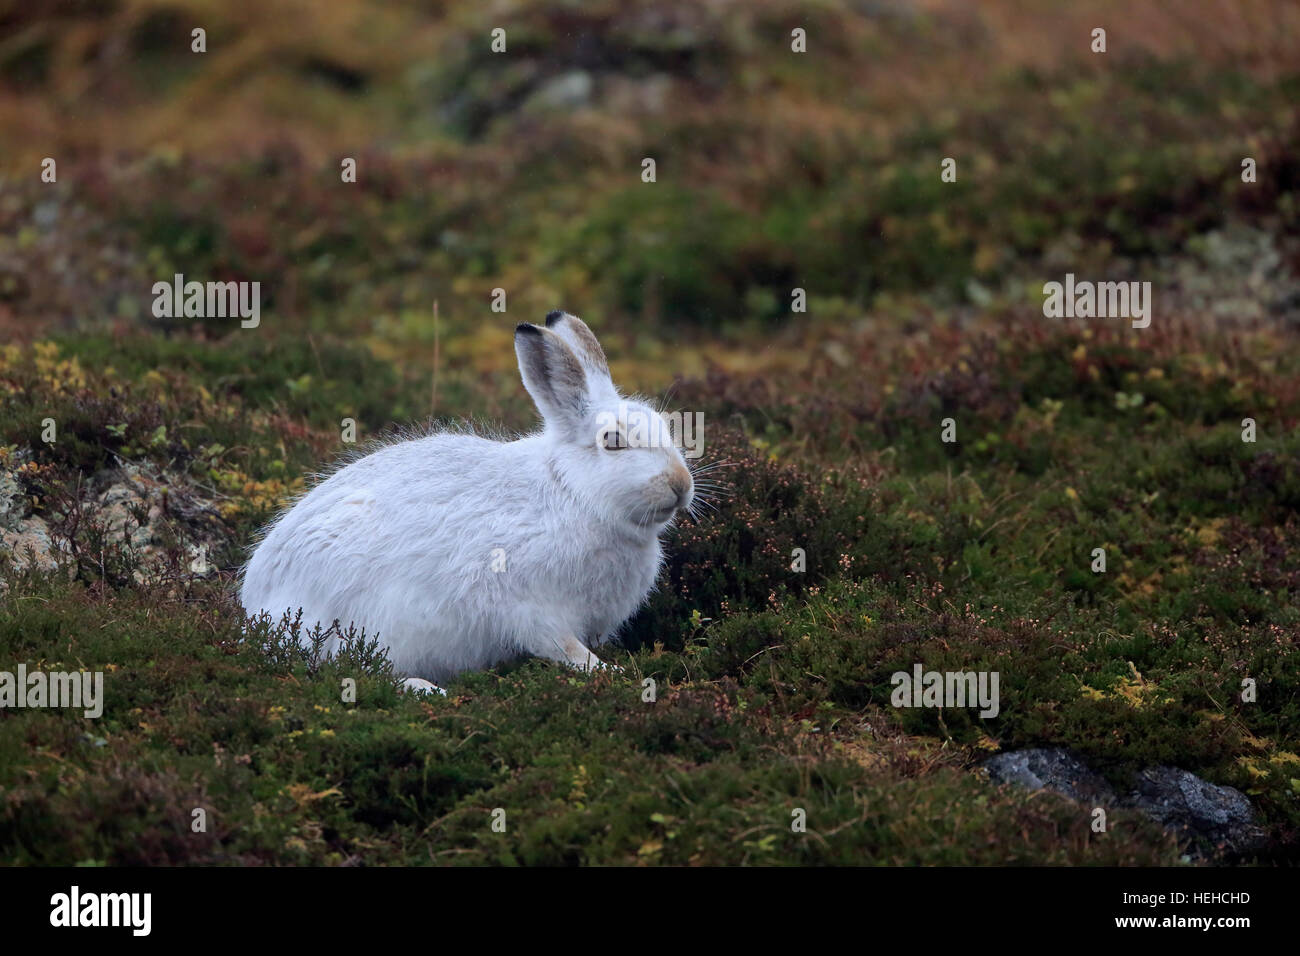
680,484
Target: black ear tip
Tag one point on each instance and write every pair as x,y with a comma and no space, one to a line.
527,328
553,317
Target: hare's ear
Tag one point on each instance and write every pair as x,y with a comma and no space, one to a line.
582,340
552,374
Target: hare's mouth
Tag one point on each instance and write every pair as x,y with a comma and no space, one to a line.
660,515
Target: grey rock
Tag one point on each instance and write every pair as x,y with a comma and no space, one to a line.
23,536
1196,808
12,505
138,506
1050,768
565,92
46,214
1207,818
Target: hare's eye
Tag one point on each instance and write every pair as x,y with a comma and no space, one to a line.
614,440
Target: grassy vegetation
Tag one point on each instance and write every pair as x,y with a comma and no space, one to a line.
775,171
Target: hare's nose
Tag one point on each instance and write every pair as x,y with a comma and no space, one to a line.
680,484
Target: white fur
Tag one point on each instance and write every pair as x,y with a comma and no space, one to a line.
402,542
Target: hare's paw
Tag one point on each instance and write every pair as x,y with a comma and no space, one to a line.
575,654
417,685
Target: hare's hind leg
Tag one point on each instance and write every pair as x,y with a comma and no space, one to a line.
418,685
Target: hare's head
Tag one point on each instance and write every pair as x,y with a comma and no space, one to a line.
617,454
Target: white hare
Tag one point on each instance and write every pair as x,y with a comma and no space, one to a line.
457,551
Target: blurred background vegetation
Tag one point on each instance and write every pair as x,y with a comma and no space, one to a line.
522,170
